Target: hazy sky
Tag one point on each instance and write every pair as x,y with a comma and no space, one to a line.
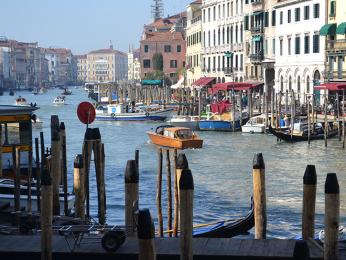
81,25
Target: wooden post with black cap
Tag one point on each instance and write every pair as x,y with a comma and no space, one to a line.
146,234
79,189
131,195
56,163
64,165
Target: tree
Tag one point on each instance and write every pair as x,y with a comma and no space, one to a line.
158,61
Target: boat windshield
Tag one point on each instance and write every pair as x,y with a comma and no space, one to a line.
184,133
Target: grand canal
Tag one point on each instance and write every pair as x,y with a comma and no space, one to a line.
222,170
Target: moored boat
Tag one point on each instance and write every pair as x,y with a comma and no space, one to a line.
122,112
255,124
223,122
185,121
175,137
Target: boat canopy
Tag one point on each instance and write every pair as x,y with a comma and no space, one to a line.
204,81
180,132
237,86
152,82
332,86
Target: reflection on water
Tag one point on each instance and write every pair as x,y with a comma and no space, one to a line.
222,170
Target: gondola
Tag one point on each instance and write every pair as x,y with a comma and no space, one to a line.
228,228
286,136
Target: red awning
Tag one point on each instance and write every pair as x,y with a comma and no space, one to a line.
331,86
238,86
204,81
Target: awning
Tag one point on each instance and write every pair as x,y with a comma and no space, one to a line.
237,86
331,86
328,29
341,29
204,81
151,82
257,38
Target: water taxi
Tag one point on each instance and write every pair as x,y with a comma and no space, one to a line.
59,100
175,137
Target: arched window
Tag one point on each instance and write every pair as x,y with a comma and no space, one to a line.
236,33
236,79
290,84
282,84
241,79
208,38
214,40
223,35
231,32
298,84
227,32
218,37
223,79
307,84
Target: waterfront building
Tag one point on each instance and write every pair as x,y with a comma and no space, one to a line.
106,65
194,53
260,19
4,66
223,39
299,50
164,38
134,65
335,36
81,68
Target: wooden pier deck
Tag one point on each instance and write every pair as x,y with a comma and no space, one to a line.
21,246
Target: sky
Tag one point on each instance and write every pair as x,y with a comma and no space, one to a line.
80,25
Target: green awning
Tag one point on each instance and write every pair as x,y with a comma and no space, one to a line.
257,38
152,82
328,29
341,29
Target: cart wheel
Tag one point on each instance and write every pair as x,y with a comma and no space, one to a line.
111,241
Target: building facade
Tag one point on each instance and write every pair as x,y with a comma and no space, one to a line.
194,54
81,68
223,39
335,36
134,65
299,55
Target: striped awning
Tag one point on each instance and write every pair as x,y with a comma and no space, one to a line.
341,29
331,86
328,29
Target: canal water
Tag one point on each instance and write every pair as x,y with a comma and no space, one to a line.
222,170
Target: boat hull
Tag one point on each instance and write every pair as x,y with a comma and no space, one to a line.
253,129
218,125
150,116
193,125
165,141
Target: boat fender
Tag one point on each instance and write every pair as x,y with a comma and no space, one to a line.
146,114
112,115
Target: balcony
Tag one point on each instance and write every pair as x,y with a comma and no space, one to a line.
337,46
257,29
256,57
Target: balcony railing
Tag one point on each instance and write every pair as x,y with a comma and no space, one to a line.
256,57
337,45
256,29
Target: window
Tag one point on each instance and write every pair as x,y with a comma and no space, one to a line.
208,38
316,43
246,22
281,17
266,47
204,15
274,46
281,47
167,48
214,39
214,63
146,63
214,13
297,41
306,44
146,48
298,84
306,12
307,84
289,16
173,64
208,14
290,84
219,12
316,10
332,8
227,9
273,18
297,14
282,84
266,19
289,46
178,48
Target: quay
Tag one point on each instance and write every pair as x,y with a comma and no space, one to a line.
167,249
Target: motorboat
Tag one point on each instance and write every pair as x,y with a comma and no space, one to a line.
175,137
185,121
255,124
124,112
223,122
20,101
59,100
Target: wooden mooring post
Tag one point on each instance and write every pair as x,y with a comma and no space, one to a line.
169,192
301,250
332,217
29,179
309,199
159,193
146,235
16,171
38,175
46,216
79,187
131,195
186,190
176,197
64,165
86,151
259,196
56,163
